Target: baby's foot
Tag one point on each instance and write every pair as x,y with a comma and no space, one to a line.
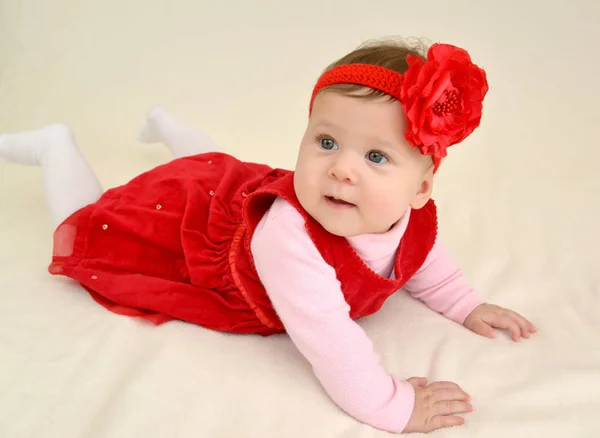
161,126
29,147
150,130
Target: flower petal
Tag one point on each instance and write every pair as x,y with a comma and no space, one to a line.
447,69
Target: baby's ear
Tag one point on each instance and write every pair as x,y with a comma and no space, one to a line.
424,191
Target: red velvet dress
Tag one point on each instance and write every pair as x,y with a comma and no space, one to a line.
174,243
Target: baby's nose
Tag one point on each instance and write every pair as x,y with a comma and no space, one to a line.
345,171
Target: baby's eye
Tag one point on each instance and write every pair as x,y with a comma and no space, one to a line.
377,157
328,143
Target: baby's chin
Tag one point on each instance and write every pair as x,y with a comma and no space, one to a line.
343,232
347,230
343,229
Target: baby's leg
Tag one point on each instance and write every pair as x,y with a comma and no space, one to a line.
69,182
182,140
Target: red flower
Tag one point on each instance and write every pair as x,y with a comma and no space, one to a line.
442,98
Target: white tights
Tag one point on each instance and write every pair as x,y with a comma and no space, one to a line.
69,181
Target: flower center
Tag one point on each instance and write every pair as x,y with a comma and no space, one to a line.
447,104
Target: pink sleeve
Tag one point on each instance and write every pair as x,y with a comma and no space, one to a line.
307,296
442,287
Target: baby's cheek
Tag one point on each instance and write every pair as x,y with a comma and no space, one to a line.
383,207
303,191
307,191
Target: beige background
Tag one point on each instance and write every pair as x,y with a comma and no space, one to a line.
518,200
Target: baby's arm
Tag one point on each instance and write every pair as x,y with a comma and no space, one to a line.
442,287
307,296
440,284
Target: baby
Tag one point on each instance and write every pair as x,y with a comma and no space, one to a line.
241,247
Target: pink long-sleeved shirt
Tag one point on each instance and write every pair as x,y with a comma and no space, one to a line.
316,315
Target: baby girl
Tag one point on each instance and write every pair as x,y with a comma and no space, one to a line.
244,248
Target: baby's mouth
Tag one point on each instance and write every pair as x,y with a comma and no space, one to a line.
339,201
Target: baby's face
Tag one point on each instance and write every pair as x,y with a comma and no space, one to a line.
355,172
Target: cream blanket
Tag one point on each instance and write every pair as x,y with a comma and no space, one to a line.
519,203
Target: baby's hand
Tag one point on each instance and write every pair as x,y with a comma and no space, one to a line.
485,317
435,405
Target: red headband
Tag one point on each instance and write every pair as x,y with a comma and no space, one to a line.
442,97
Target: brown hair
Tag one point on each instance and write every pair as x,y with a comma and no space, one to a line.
387,53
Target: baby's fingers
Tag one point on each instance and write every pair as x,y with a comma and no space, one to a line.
483,328
524,325
508,323
528,325
420,382
440,421
451,407
450,393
